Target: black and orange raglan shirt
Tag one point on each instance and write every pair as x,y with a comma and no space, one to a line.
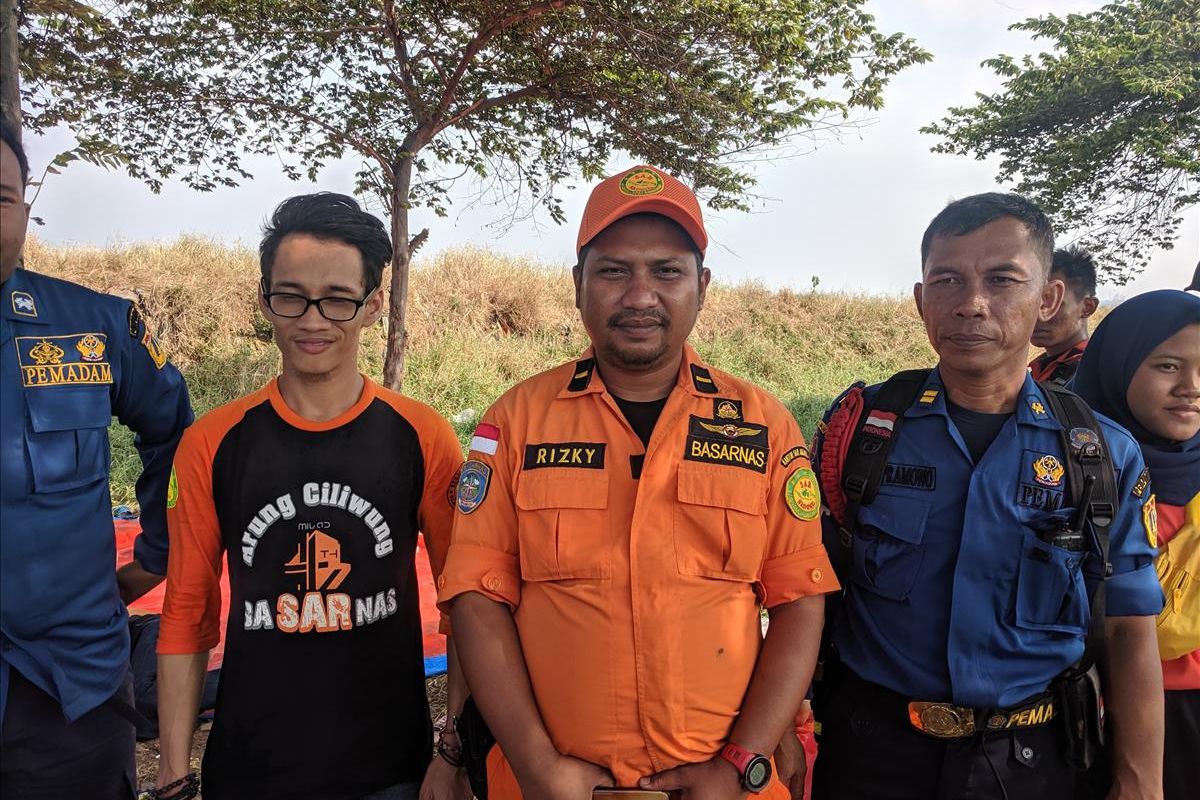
322,690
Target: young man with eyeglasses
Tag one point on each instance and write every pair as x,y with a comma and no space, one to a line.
315,486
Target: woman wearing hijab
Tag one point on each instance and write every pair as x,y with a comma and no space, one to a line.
1142,369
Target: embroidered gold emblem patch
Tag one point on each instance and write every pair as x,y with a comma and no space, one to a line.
1150,520
641,182
46,353
90,348
157,354
730,431
76,358
727,410
802,494
1048,471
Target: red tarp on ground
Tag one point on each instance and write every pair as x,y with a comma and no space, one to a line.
435,644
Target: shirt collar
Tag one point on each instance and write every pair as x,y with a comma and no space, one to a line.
20,300
695,377
1032,408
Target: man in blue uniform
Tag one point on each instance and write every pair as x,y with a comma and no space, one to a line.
968,585
70,359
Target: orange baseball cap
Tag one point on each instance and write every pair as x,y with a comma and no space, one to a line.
643,189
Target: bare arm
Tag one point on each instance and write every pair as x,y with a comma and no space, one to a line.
134,580
494,667
180,682
782,675
456,683
1133,701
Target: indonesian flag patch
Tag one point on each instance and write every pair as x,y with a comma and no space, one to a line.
486,439
880,423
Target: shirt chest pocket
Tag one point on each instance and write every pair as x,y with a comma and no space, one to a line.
720,523
888,546
1051,593
562,524
66,437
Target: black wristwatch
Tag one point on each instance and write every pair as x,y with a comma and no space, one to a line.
754,768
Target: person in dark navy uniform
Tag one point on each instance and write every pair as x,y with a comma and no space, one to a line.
71,359
961,609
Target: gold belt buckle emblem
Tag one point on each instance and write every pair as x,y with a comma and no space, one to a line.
941,720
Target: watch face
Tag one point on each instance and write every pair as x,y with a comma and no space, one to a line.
758,774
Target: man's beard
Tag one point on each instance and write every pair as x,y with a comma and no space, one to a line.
637,358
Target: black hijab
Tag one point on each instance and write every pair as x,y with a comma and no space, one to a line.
1118,347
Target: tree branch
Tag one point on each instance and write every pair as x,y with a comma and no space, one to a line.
485,103
480,41
333,133
400,47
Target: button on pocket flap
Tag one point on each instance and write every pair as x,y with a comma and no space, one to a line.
68,408
562,488
722,487
899,517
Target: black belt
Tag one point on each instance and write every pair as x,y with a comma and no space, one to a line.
950,721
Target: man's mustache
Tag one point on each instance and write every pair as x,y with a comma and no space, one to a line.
629,316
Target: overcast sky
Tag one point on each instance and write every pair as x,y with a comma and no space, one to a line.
850,213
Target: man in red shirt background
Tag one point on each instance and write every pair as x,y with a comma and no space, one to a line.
1065,335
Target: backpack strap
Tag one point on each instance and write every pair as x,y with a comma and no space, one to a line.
854,452
877,429
1092,487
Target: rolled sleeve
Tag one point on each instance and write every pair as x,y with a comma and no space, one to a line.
1133,589
473,568
796,564
1133,594
796,575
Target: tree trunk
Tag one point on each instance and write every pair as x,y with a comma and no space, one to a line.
10,64
397,336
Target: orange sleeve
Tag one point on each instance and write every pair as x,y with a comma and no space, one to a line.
483,551
796,564
442,457
191,618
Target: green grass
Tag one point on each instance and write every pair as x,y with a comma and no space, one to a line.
478,323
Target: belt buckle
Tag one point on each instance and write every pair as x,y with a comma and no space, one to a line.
941,720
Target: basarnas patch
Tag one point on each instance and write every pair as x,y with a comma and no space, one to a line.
803,495
473,483
715,441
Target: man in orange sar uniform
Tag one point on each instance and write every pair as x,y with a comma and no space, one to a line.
620,521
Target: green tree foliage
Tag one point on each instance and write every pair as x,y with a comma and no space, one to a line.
521,96
1104,131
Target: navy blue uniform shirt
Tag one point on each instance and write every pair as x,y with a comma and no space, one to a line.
70,359
952,595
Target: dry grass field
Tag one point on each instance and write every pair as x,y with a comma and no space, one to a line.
478,323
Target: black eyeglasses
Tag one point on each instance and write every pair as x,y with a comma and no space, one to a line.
334,309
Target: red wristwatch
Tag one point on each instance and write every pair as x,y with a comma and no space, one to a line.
754,768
